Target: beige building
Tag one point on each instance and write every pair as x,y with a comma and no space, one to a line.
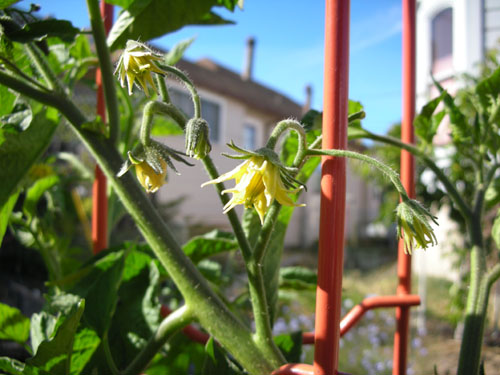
239,109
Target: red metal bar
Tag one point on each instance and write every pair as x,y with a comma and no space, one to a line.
99,197
333,179
408,179
358,311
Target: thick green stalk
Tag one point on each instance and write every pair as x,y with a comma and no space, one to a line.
108,82
162,87
210,311
170,325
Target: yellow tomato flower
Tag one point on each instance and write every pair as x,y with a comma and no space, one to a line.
414,227
137,62
258,183
149,179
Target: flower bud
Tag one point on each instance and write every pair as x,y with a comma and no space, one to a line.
413,225
197,138
137,62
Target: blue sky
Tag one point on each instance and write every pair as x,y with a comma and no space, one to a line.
289,48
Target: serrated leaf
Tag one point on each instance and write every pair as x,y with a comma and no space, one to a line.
39,30
425,128
21,150
175,54
290,345
100,289
489,88
138,315
15,367
54,355
5,212
209,244
14,325
7,98
19,119
150,19
85,344
42,327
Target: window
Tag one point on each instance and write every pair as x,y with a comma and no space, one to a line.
249,135
210,110
442,40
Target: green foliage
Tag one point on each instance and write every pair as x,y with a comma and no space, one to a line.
215,362
39,30
150,19
20,150
211,243
290,345
298,278
14,325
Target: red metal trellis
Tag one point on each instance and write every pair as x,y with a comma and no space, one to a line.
99,197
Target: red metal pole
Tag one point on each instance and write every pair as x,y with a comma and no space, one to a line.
99,197
333,179
408,179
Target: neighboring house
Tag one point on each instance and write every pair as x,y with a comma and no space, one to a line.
239,109
452,37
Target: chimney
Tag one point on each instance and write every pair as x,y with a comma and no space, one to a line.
246,74
307,104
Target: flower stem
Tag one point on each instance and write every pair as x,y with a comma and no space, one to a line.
189,85
464,209
388,171
160,81
281,127
104,57
152,108
170,325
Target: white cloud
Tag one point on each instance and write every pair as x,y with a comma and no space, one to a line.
380,26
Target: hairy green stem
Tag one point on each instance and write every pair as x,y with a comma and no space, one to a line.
283,126
210,310
388,171
170,325
189,85
108,82
160,81
263,336
455,196
152,108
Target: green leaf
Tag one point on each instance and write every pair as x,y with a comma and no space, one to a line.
100,289
356,114
39,30
19,119
42,327
425,127
85,344
15,367
489,89
290,345
35,193
7,98
175,54
148,19
21,150
7,3
298,278
215,361
5,212
138,316
14,325
54,355
209,244
460,129
121,3
495,231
